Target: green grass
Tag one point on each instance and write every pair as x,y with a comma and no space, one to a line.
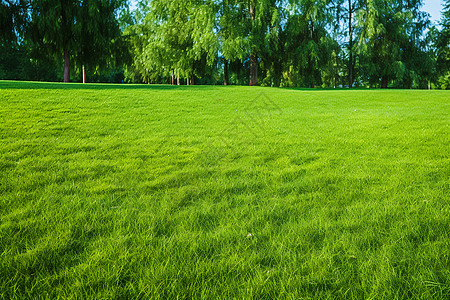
135,191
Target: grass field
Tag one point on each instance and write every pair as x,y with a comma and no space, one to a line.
136,191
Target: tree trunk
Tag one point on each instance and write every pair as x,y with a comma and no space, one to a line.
84,74
350,45
311,36
253,69
192,79
384,82
225,73
178,79
350,70
64,30
66,66
172,82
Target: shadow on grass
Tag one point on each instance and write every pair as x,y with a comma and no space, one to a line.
27,85
318,89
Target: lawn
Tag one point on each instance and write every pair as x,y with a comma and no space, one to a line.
212,192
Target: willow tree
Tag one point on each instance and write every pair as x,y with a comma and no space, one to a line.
443,47
344,19
264,19
98,35
176,39
232,29
388,30
306,42
78,29
53,26
13,21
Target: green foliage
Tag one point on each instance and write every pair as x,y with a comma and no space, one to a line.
297,43
161,192
444,81
13,18
98,34
13,57
232,28
390,42
88,30
442,43
294,43
307,44
175,37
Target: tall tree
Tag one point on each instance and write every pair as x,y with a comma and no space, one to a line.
98,34
176,38
13,21
306,42
345,11
443,47
254,43
53,27
232,29
264,21
79,29
385,32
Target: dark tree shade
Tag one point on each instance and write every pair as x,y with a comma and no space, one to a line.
82,30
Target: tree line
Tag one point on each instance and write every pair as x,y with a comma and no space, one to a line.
288,43
38,36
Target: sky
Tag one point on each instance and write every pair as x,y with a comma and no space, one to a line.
433,7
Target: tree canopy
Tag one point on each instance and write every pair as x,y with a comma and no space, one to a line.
82,31
442,41
298,43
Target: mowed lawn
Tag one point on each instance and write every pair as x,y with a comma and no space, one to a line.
204,192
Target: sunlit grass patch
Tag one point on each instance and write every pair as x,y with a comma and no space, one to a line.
121,191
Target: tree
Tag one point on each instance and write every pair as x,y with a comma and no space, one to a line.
247,32
52,27
13,21
388,30
416,58
84,30
265,19
345,11
443,47
98,33
176,38
232,27
307,42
